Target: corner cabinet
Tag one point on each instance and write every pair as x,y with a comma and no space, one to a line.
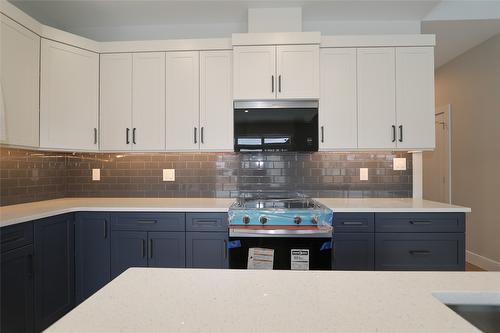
276,72
69,104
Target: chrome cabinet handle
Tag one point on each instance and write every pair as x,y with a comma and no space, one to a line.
133,136
400,133
272,83
201,134
393,133
127,140
352,223
279,83
322,134
95,135
195,136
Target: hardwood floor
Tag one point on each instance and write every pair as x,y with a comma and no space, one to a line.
471,268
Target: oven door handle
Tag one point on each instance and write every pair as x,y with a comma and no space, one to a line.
321,232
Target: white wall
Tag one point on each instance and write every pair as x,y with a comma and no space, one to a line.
471,84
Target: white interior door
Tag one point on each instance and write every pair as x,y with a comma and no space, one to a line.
148,101
116,101
437,163
182,98
216,100
338,105
376,98
298,71
254,72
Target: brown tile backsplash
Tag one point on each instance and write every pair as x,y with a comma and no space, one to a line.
29,175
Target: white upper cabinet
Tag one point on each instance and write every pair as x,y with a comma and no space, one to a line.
376,98
68,97
415,97
216,100
298,71
116,101
19,84
148,101
338,103
182,99
254,72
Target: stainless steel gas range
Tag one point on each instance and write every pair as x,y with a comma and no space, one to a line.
276,231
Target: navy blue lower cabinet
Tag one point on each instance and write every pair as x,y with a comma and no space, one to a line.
92,253
128,249
167,249
207,250
17,290
54,269
420,251
353,251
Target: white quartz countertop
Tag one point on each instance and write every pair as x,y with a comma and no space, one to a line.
196,300
31,211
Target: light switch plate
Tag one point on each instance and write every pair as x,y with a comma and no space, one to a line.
96,174
363,173
399,163
168,175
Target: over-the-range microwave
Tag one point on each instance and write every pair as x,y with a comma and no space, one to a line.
276,125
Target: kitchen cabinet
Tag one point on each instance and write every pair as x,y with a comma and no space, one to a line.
54,250
216,101
128,249
69,103
338,103
182,101
166,249
207,250
276,72
19,84
92,253
132,101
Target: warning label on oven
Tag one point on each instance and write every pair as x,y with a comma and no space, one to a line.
299,259
259,258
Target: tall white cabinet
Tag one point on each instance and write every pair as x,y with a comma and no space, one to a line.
19,84
68,97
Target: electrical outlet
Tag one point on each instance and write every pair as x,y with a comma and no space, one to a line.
363,173
96,174
399,164
168,175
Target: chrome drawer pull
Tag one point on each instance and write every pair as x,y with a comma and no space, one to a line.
352,223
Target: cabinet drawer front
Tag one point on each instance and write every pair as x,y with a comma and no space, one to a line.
420,251
148,221
420,222
16,236
353,222
206,221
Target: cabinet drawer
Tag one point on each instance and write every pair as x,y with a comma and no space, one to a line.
15,236
206,221
353,222
420,251
148,221
420,222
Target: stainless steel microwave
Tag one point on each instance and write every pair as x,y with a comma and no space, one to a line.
276,125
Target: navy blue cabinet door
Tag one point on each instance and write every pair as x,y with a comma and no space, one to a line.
206,250
167,249
92,254
128,249
54,269
17,290
353,251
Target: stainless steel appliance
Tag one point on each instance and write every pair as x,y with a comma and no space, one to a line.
282,224
276,125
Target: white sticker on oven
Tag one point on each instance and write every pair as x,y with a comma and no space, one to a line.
259,258
299,259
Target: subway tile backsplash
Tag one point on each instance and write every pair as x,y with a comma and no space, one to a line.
29,175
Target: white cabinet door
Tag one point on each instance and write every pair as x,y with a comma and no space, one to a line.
298,71
376,98
182,98
19,82
337,110
254,72
216,100
116,101
148,101
68,97
415,97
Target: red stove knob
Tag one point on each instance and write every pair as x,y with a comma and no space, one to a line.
314,220
297,219
263,219
246,219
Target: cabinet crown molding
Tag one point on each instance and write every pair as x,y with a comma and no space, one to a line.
276,38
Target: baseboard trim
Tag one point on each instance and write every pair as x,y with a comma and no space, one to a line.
483,262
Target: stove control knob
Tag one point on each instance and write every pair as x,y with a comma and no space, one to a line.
246,219
297,219
314,220
263,219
